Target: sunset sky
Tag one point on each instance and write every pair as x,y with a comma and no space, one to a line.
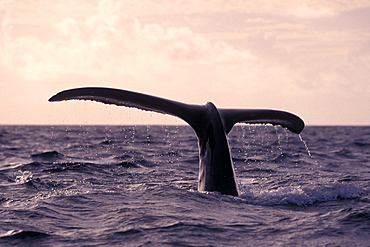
309,57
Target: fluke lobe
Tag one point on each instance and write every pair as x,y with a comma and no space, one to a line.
211,125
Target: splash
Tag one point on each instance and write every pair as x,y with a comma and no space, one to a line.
24,177
302,195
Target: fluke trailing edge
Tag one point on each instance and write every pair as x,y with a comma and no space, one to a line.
211,125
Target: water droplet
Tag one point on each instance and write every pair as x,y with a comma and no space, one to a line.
307,149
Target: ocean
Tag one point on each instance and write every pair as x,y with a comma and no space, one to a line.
137,186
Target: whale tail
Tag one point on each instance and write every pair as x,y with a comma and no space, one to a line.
216,171
194,115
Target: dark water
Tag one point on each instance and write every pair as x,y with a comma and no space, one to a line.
136,186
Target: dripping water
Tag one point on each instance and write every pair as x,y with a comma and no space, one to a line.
280,148
305,145
307,149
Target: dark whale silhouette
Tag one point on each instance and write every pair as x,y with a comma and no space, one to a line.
211,125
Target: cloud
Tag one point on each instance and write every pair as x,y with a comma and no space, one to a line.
298,9
277,62
108,42
106,47
307,12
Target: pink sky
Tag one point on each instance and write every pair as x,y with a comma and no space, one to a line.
311,58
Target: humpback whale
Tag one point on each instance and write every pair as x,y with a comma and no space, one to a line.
211,126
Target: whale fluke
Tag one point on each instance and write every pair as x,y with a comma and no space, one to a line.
250,116
211,125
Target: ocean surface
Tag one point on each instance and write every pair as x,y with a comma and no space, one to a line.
137,186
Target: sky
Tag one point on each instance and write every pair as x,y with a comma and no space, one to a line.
308,57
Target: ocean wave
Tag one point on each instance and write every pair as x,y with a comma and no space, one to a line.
260,170
303,195
359,218
23,235
69,166
343,153
362,142
127,164
33,166
12,163
131,231
178,226
49,156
